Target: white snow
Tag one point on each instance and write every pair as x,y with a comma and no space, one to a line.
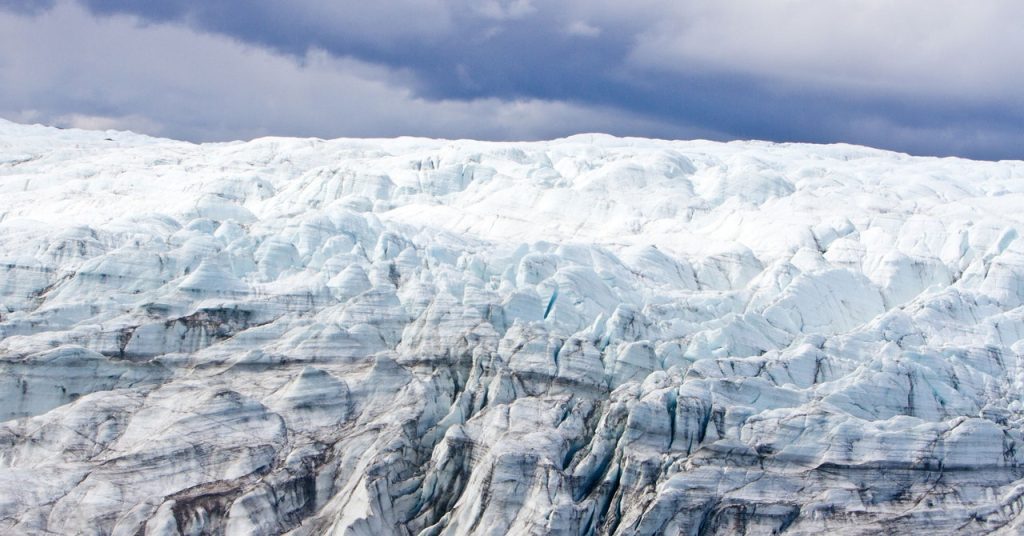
591,334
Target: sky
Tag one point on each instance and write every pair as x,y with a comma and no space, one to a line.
927,77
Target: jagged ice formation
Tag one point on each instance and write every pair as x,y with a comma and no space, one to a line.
585,336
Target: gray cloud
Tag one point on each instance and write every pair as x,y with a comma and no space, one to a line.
171,80
928,77
943,48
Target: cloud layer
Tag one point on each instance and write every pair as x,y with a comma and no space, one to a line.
927,77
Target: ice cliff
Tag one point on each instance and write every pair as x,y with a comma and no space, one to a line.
591,335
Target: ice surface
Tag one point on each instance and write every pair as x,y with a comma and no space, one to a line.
588,335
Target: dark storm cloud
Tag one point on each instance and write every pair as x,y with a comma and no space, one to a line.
928,77
168,79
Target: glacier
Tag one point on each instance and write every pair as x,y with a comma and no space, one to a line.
591,335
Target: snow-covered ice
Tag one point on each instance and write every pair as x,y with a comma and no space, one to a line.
591,335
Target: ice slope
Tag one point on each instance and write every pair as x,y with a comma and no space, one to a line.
591,335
